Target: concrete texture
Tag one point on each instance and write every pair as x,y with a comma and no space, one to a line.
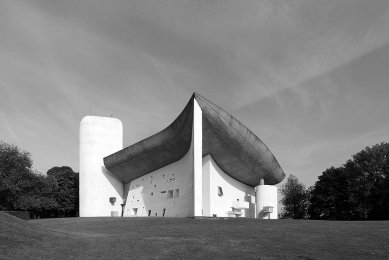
235,149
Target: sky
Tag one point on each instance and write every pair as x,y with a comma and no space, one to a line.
309,78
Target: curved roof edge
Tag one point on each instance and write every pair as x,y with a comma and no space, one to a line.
236,150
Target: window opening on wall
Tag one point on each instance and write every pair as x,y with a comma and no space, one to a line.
219,191
152,193
155,186
164,191
156,214
149,213
170,194
163,213
134,211
176,193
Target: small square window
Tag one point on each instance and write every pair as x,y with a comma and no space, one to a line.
170,194
176,193
219,191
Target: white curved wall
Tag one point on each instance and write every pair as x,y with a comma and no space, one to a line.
99,137
233,191
149,194
266,196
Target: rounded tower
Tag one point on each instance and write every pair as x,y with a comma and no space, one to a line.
266,201
101,193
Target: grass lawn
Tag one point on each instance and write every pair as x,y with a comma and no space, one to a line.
182,238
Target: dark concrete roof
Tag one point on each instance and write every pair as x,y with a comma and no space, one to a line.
235,149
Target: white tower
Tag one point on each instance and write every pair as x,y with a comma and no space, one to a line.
266,201
100,192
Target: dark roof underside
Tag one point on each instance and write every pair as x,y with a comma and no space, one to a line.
235,149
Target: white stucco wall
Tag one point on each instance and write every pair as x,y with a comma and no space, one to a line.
266,196
150,192
99,137
197,141
233,190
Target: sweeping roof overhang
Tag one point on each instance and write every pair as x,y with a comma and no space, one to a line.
235,149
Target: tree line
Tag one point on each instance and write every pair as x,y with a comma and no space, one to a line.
23,189
357,190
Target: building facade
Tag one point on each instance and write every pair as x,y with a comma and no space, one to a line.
205,164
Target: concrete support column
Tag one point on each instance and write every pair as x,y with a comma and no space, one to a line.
197,158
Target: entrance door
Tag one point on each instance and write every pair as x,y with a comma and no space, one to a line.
149,213
163,213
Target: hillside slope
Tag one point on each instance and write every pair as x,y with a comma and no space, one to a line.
25,239
185,238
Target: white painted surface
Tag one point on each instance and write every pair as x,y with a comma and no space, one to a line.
186,188
99,137
266,196
197,140
174,190
233,192
150,192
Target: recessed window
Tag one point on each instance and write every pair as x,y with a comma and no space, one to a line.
176,193
164,191
219,191
170,194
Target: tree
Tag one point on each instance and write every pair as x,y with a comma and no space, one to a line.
37,196
15,168
66,191
357,190
20,187
329,198
371,188
295,198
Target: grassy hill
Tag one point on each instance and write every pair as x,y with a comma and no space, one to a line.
145,238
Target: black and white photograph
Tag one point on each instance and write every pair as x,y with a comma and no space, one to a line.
194,129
